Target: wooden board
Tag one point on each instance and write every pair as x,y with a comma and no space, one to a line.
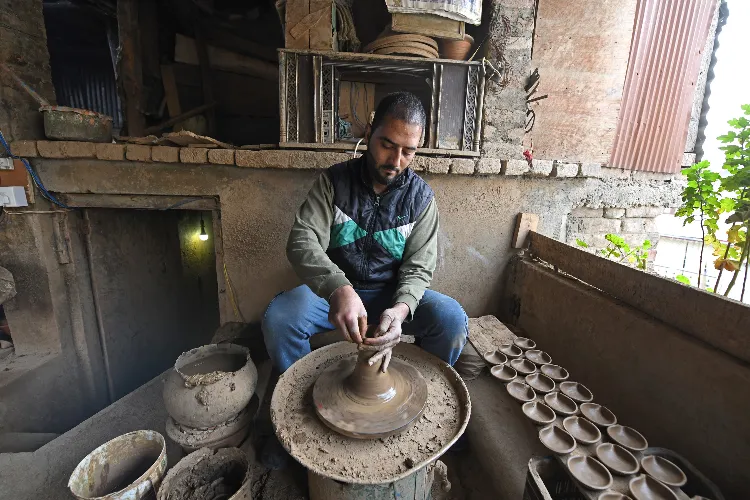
452,106
186,51
486,333
581,50
428,24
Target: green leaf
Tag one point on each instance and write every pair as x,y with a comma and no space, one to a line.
682,279
646,244
581,243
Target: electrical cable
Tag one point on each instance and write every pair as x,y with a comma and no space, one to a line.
37,181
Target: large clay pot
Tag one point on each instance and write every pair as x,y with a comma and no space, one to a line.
456,49
209,385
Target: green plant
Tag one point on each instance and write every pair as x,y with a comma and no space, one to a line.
619,250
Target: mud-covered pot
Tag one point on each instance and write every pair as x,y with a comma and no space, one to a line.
209,385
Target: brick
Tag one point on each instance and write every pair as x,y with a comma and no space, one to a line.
277,158
587,212
489,166
515,167
502,149
565,170
24,149
644,212
590,170
438,165
137,152
638,225
593,225
112,152
221,156
463,166
75,149
194,155
419,164
49,149
541,168
614,213
165,154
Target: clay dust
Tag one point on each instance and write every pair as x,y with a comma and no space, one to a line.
351,460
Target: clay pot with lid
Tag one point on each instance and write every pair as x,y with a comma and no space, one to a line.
209,385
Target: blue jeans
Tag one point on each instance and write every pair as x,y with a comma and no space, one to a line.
440,323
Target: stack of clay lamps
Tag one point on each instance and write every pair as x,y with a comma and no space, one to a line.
361,401
207,395
575,428
403,44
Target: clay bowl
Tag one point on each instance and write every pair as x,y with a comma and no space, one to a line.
613,495
561,403
589,472
524,343
581,429
209,385
538,357
617,459
495,357
598,414
456,49
540,413
555,372
504,373
576,391
557,439
663,470
627,437
510,350
523,366
540,383
646,487
521,391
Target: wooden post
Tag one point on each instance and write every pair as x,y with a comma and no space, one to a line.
206,80
129,63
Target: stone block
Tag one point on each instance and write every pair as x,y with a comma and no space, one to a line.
489,166
590,170
515,167
419,163
221,156
651,176
502,149
50,149
438,165
594,241
541,168
587,212
638,225
593,225
76,149
24,149
165,154
138,152
615,173
463,166
565,170
111,152
688,159
278,158
614,213
644,212
194,155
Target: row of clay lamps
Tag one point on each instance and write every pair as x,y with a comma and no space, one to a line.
546,393
207,396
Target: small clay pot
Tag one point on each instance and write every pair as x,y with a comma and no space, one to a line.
540,383
598,414
510,350
456,49
495,358
589,472
523,366
645,487
209,385
555,372
557,440
576,391
520,391
663,470
504,373
627,437
540,413
617,459
581,429
538,357
613,495
561,403
524,343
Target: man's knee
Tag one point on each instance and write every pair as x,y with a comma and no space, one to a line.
279,311
448,313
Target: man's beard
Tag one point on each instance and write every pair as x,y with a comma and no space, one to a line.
377,174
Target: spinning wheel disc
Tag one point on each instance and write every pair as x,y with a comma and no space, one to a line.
360,401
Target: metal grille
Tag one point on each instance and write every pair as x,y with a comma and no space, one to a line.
292,117
327,105
470,112
665,56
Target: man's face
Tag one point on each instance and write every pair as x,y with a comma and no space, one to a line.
391,148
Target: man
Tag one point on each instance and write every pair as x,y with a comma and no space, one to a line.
364,244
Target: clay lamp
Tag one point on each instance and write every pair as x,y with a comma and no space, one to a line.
361,401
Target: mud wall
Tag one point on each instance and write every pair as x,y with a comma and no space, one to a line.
679,392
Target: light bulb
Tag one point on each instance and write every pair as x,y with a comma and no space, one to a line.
203,236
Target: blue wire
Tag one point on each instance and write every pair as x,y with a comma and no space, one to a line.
37,180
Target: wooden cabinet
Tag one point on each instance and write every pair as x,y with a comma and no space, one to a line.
312,114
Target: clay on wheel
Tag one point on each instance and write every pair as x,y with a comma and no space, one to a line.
360,401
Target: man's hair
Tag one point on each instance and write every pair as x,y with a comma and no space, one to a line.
403,106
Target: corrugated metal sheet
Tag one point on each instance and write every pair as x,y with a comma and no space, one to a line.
88,86
665,55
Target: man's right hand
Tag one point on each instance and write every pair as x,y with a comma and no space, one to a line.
346,310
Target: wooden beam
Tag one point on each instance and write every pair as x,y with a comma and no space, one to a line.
206,83
146,202
222,38
722,323
524,224
130,66
170,90
185,51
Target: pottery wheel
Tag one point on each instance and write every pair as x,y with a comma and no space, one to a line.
361,401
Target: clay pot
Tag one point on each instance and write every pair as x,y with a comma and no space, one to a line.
456,49
130,466
228,434
223,474
209,385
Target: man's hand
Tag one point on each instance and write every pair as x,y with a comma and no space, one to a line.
387,335
347,311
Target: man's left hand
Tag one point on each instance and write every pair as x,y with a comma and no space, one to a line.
387,335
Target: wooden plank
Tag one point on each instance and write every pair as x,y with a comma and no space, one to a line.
187,52
321,33
486,333
224,39
206,83
524,224
130,73
170,90
428,25
296,11
583,72
720,322
139,201
149,30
